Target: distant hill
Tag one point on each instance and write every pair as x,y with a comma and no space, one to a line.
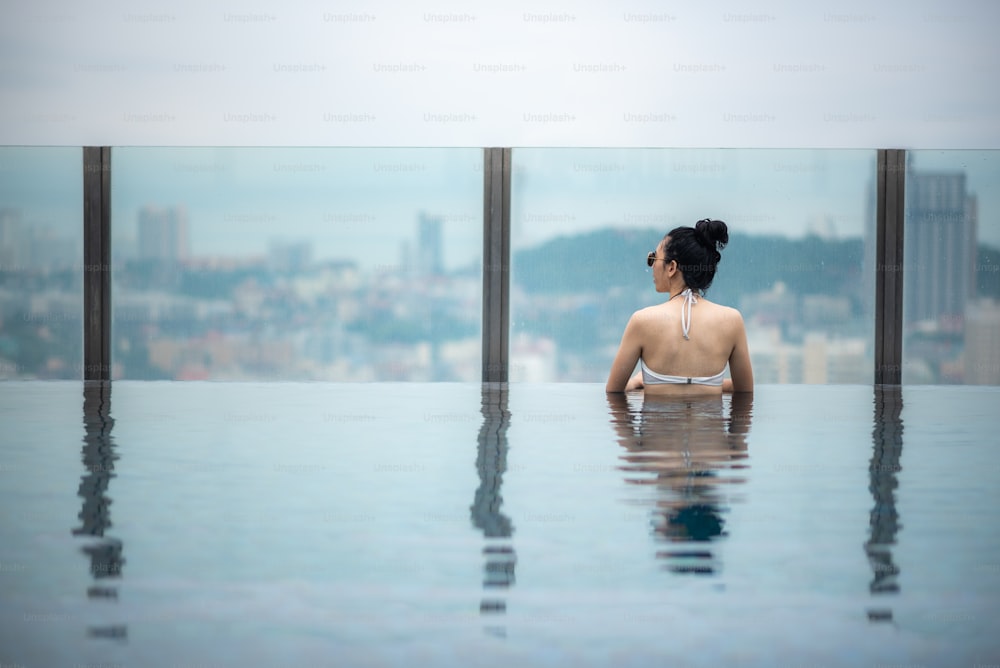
608,258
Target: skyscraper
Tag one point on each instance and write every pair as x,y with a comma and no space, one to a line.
430,255
982,354
940,243
163,234
289,256
11,246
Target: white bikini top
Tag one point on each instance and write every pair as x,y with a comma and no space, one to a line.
650,377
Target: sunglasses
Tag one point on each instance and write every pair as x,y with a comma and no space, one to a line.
651,258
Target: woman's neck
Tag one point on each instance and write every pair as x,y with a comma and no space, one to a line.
680,290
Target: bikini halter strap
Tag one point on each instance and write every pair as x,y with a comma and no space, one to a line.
689,300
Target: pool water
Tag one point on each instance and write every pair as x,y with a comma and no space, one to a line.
241,524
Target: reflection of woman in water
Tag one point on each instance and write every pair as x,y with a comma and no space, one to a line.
686,335
681,445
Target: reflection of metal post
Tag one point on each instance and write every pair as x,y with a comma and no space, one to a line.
887,442
491,462
98,454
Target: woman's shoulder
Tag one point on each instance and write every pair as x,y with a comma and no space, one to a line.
727,312
644,314
647,317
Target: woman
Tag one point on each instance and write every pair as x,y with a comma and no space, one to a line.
686,335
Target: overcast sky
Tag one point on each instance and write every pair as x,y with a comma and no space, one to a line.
717,73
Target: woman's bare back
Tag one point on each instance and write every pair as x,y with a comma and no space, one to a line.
712,334
716,337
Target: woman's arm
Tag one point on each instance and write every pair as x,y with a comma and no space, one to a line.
635,382
629,351
739,362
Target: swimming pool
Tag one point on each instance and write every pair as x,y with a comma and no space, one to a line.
241,524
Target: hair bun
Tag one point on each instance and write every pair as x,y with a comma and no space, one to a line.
713,233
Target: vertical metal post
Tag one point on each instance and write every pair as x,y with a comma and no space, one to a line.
97,263
496,263
891,182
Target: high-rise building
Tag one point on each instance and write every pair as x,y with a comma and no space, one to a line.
430,255
290,256
163,234
982,354
940,241
11,246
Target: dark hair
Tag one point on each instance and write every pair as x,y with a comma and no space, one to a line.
696,250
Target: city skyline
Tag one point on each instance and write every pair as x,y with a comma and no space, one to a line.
240,223
283,318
